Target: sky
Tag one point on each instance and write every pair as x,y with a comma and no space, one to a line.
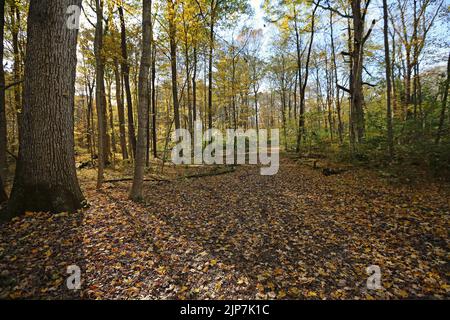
256,21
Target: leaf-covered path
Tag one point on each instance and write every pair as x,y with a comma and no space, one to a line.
295,235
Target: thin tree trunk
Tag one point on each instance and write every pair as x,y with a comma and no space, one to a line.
111,119
351,121
338,100
387,61
301,127
143,107
120,111
233,94
444,104
89,117
173,63
100,100
188,74
210,64
126,80
154,109
3,127
328,99
357,53
194,86
15,26
45,177
255,91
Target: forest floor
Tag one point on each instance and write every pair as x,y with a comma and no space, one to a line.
239,235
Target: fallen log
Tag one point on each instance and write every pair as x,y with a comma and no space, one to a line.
192,176
332,171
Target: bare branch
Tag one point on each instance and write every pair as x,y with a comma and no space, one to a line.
333,10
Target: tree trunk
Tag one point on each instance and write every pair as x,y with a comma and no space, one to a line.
351,121
100,100
45,175
3,129
120,111
357,53
301,126
3,195
111,119
338,100
187,63
328,98
194,86
387,61
210,63
233,92
255,92
143,107
173,63
89,118
126,80
154,129
15,26
444,104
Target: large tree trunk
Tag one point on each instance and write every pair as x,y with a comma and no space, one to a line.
45,175
126,80
3,131
143,107
387,61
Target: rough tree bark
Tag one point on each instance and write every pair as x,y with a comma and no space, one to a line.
45,175
143,107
